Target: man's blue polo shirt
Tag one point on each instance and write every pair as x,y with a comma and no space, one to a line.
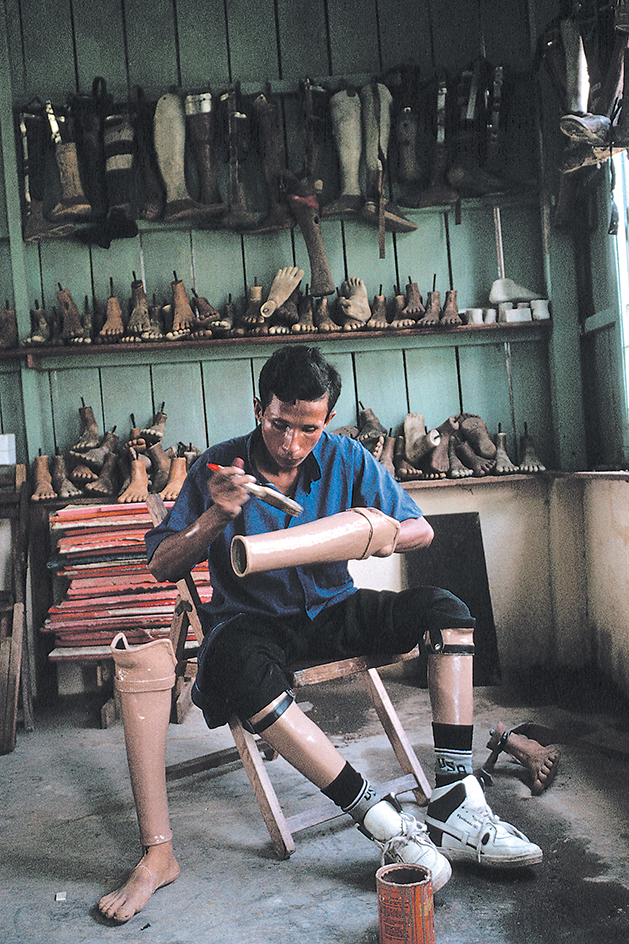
339,474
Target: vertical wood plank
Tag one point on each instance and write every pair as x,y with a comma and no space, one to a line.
152,46
37,407
67,388
353,39
68,264
183,402
125,390
405,35
17,65
363,258
456,33
532,398
119,262
432,381
424,253
265,254
12,408
164,253
100,46
49,66
303,46
228,402
381,385
521,227
484,385
473,254
252,40
218,266
506,31
202,33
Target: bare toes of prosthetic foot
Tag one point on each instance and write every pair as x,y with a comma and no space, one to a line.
354,304
130,898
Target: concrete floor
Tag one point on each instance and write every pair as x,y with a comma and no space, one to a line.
67,825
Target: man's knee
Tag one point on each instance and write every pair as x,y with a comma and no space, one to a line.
448,611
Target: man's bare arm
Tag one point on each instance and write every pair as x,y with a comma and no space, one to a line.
179,552
415,533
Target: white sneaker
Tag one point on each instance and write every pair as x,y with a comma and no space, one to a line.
402,839
462,826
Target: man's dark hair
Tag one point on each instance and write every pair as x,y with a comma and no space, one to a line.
297,372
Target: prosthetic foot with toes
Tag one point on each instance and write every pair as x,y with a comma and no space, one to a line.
144,677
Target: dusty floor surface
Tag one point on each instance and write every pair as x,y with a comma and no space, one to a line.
67,825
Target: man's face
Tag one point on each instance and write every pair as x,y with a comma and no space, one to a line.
292,430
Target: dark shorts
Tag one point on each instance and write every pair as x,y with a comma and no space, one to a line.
247,664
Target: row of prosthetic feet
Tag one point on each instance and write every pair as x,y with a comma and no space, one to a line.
284,310
103,467
458,448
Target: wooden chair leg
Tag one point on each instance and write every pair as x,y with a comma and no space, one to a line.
264,793
396,734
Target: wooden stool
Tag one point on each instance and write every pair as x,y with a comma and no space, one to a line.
250,748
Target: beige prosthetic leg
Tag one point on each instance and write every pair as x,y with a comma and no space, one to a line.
350,535
376,100
345,111
450,668
144,677
300,742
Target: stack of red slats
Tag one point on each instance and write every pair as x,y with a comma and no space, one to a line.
101,558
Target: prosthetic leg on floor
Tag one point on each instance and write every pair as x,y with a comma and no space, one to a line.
144,677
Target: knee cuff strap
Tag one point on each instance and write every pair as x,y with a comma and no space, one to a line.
271,717
435,644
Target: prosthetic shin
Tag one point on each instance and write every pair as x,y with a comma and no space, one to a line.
450,668
144,678
350,535
345,111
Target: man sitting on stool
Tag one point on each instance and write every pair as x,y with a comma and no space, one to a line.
259,624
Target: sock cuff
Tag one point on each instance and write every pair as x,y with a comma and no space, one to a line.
352,793
455,737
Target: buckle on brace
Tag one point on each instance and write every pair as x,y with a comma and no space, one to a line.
433,638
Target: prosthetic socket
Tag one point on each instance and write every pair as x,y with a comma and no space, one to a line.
144,678
450,674
350,535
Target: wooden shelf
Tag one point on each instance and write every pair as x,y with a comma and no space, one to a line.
35,355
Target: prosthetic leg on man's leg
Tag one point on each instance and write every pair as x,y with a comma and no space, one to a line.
305,746
144,678
459,821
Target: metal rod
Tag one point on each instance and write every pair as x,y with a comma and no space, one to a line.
507,348
499,250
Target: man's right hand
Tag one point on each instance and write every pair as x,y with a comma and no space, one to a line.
226,488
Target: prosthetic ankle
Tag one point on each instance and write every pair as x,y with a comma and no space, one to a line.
144,677
450,668
350,535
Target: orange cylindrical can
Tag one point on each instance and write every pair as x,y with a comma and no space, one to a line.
405,904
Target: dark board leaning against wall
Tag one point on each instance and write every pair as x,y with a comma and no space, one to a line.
456,561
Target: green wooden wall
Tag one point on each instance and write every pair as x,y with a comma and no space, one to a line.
510,378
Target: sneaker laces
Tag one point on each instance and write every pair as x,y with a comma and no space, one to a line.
489,823
411,831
